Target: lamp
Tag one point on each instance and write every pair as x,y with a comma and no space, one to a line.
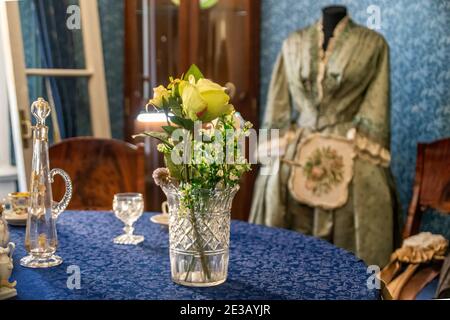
153,118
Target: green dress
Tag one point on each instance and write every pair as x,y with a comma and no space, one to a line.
331,92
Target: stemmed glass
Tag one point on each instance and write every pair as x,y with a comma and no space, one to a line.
128,207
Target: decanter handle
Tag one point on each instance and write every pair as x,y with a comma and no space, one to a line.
58,207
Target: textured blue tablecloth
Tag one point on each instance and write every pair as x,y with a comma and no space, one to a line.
265,263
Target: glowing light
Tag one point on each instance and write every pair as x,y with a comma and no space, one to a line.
152,117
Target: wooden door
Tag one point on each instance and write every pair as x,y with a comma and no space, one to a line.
221,37
226,37
151,56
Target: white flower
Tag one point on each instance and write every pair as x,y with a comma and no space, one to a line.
220,173
233,177
161,176
162,148
159,93
248,125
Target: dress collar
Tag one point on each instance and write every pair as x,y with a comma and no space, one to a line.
321,62
340,27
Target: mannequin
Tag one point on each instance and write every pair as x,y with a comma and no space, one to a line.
331,16
341,92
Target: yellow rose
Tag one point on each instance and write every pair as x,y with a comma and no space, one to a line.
193,103
216,99
204,100
159,93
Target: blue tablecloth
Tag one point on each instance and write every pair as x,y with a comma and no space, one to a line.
265,263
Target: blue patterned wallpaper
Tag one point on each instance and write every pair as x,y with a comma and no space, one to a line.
418,33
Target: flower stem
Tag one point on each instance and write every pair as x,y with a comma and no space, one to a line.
198,238
199,245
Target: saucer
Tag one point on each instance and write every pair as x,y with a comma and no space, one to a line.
162,219
15,219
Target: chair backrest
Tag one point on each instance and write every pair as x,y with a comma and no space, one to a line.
99,168
432,183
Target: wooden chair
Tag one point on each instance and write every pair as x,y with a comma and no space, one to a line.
431,185
99,168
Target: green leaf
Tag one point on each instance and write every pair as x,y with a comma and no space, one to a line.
171,105
169,129
177,111
175,106
195,71
165,107
175,170
188,124
176,90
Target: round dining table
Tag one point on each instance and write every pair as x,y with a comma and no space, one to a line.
265,264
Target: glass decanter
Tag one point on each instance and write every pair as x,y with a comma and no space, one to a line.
41,239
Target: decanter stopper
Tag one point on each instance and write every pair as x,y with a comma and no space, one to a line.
40,109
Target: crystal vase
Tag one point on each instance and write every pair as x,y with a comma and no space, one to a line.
199,235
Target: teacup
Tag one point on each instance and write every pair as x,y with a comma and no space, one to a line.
18,202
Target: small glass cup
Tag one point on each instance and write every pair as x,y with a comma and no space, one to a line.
128,207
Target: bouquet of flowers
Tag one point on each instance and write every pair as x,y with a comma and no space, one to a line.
203,146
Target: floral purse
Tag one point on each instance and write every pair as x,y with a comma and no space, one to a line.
322,171
323,167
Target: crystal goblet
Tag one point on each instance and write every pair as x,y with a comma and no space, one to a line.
128,207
